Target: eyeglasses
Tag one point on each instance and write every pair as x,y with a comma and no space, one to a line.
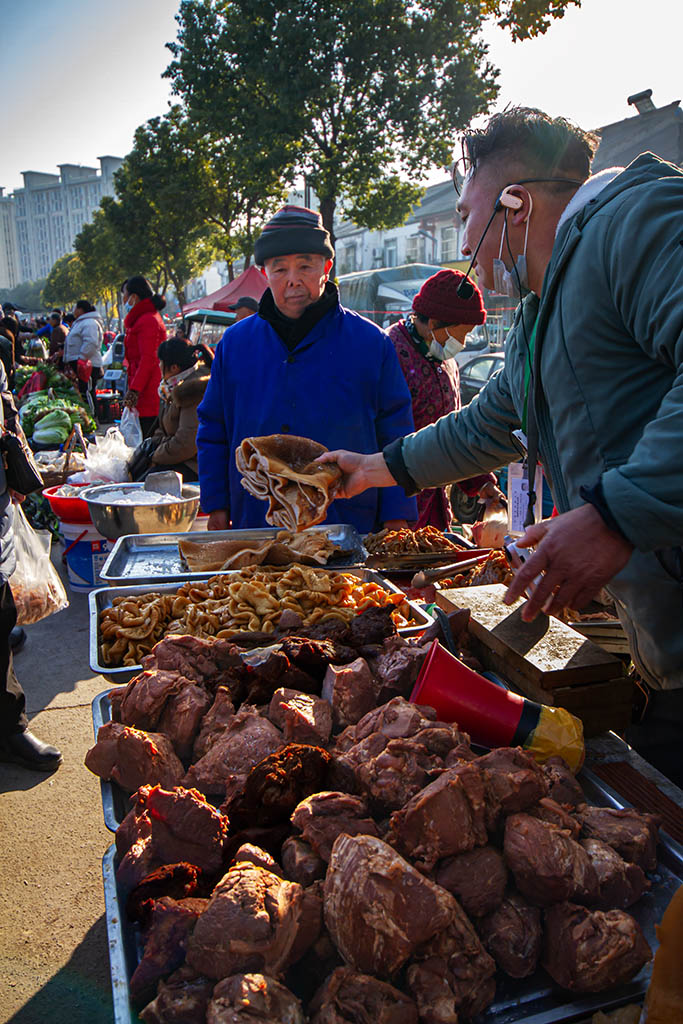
461,168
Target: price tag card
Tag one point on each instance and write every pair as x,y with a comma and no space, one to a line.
518,496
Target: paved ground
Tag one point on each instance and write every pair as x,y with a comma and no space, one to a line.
54,961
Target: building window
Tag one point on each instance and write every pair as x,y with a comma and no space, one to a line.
415,249
390,252
347,263
450,244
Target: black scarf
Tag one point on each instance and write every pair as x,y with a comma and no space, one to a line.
293,332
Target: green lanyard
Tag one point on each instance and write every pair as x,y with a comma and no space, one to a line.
527,375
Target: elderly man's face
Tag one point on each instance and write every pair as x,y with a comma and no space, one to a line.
297,281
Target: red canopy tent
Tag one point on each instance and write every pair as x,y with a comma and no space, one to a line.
250,282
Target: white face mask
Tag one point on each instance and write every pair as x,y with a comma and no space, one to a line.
447,351
508,282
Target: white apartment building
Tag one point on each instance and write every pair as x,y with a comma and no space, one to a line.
8,243
50,210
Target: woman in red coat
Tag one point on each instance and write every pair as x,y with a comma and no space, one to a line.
145,331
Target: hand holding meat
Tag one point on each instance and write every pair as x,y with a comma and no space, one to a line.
577,554
359,472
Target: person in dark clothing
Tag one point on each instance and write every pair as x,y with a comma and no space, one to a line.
17,744
183,383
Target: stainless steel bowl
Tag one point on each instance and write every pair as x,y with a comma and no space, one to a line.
113,520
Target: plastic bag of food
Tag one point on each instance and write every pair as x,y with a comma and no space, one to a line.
106,460
36,588
130,427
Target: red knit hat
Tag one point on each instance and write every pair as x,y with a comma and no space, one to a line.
438,299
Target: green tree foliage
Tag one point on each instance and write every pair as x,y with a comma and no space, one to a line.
350,92
357,95
66,283
527,18
26,296
158,216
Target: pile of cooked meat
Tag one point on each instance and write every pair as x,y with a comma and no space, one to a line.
304,844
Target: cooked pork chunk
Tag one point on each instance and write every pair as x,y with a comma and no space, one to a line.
214,723
379,909
133,758
350,690
463,971
512,934
301,863
302,717
548,866
477,877
563,786
252,923
632,834
324,816
591,950
166,938
170,826
348,997
277,784
445,818
181,999
253,999
246,740
620,883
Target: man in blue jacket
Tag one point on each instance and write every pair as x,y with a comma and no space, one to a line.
305,366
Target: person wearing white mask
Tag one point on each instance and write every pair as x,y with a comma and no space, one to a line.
425,343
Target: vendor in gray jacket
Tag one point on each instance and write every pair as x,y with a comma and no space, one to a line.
84,341
17,744
600,261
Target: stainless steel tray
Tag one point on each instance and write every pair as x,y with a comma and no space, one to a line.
533,1000
115,800
100,599
141,558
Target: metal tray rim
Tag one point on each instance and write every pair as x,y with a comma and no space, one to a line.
126,673
145,540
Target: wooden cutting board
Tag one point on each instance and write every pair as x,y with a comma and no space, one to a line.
545,653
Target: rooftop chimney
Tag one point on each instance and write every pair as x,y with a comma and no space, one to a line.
642,101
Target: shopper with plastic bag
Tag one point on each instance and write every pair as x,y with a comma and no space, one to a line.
17,744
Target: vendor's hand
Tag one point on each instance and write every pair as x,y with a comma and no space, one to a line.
490,493
360,472
130,399
218,520
577,555
16,496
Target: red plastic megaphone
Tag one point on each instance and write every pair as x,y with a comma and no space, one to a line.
493,716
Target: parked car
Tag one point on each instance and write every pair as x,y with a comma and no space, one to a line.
477,372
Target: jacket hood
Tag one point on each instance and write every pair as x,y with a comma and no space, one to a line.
89,316
644,169
191,390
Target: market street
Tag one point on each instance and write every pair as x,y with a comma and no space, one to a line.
54,963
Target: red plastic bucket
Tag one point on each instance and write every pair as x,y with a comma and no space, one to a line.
490,714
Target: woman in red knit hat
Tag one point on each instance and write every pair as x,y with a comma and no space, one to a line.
425,344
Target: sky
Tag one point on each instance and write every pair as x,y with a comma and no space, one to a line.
78,76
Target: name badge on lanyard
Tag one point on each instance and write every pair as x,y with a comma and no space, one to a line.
518,496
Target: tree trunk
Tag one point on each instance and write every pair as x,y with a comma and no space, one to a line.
327,208
231,270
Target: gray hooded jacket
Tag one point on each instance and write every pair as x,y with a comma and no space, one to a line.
608,395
